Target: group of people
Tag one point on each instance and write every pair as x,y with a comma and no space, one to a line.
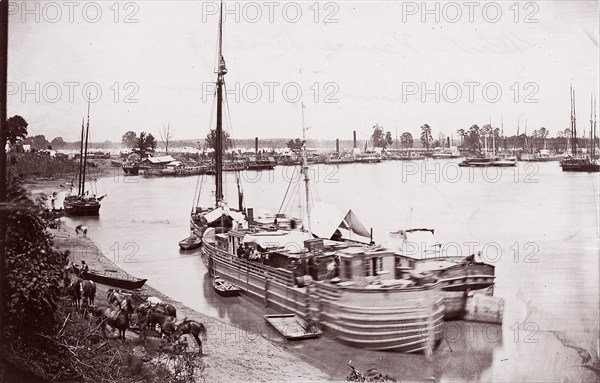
253,254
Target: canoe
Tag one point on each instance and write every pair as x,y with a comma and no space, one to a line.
292,327
225,288
190,243
121,282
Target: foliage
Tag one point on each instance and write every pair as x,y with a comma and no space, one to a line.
34,268
295,145
25,165
58,143
426,137
17,129
37,142
406,140
129,139
144,143
379,139
211,140
472,138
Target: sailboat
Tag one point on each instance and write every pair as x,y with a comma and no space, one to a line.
578,162
312,272
83,204
219,216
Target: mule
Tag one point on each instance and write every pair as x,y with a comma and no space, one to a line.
122,301
74,291
194,329
88,289
116,318
167,323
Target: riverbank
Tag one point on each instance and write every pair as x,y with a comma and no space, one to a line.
230,355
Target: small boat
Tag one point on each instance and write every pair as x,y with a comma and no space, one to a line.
292,327
121,282
190,243
225,288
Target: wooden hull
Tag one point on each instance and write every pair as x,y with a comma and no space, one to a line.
80,207
190,244
225,288
121,283
392,318
459,280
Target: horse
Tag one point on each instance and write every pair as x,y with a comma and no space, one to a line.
74,291
167,323
122,301
193,328
116,318
80,229
88,289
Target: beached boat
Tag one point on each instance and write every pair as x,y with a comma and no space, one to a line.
292,327
190,243
83,204
225,288
109,278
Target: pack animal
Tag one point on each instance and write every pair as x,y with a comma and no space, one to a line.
167,323
88,289
74,291
194,329
116,318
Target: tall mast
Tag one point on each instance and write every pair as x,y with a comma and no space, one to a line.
79,179
87,133
305,171
573,124
222,70
595,123
591,126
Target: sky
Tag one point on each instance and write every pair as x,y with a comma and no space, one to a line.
353,64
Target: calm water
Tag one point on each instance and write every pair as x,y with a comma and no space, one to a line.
539,226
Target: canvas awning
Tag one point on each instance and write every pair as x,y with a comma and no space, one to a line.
326,219
291,241
216,214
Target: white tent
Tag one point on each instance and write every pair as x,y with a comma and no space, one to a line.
327,218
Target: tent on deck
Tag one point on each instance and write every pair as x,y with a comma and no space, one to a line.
326,219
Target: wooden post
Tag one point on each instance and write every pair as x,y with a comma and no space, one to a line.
267,282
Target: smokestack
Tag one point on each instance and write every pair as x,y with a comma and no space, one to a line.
448,139
354,139
337,145
250,215
256,145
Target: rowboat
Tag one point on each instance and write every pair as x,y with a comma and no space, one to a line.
225,288
190,243
292,327
122,282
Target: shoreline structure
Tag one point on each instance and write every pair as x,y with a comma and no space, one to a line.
231,353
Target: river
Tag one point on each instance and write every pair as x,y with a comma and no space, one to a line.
538,225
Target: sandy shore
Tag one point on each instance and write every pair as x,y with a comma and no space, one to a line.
230,355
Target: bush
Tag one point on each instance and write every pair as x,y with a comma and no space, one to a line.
34,268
